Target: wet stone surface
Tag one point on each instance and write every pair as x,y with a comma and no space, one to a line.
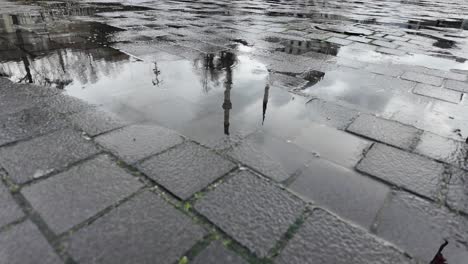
321,235
135,142
348,194
217,253
96,122
420,227
403,169
443,149
10,210
251,210
186,169
142,230
73,196
24,244
457,196
37,157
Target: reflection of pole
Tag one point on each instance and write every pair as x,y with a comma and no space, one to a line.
227,105
27,68
265,101
25,60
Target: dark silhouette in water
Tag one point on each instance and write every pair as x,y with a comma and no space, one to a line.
439,258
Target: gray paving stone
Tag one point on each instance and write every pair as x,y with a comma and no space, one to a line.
384,69
330,114
95,122
251,210
422,78
457,86
9,210
435,72
359,39
24,244
326,239
390,51
186,169
73,196
383,130
271,156
350,195
29,123
420,227
334,145
411,171
145,229
216,253
32,159
136,142
441,148
457,196
65,104
385,44
339,41
438,93
362,46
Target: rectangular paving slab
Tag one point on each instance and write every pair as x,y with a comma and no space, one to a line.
216,253
457,196
420,227
326,239
403,169
330,114
29,122
422,78
79,193
251,210
32,159
135,142
186,169
441,148
386,131
145,229
438,93
456,85
349,194
9,209
24,244
95,122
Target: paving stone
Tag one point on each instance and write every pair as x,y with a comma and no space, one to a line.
339,41
359,39
385,44
28,123
441,148
391,37
391,51
420,227
351,63
362,46
332,144
65,104
186,169
251,210
271,156
96,122
135,142
73,196
145,229
457,86
383,130
457,196
24,244
407,170
324,238
435,72
438,93
9,210
330,114
422,78
351,195
384,69
32,159
216,253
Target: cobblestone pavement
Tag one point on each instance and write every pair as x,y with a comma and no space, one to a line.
233,131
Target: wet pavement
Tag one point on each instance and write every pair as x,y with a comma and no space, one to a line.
246,131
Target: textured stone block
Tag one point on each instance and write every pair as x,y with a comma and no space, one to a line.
407,170
330,114
386,131
95,122
457,196
457,86
216,253
186,169
339,41
442,149
438,93
35,158
136,142
326,239
145,229
422,78
9,210
251,210
79,193
385,44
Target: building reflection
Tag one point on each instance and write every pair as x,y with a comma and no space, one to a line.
298,47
